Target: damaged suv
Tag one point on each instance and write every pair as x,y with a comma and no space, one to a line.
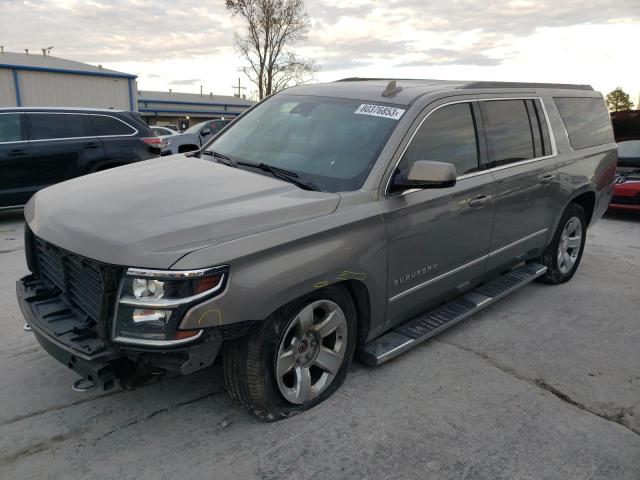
364,215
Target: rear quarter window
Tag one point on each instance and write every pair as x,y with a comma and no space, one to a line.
586,120
106,126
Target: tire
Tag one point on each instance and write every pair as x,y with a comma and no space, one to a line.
564,253
250,362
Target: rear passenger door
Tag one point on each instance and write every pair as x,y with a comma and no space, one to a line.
118,138
63,146
15,187
522,158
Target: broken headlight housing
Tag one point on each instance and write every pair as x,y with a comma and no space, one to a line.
152,303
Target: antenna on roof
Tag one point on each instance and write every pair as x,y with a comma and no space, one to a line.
392,89
26,50
1,48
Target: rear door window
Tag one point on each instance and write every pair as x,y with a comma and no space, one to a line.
10,128
50,126
586,120
447,135
509,131
106,126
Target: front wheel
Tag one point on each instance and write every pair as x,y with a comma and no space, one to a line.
564,253
296,358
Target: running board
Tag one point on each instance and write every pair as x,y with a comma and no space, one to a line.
425,326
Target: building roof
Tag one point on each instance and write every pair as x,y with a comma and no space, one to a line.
191,98
39,62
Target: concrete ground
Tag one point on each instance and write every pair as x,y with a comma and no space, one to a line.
542,385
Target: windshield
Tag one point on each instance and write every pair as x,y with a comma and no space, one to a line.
330,142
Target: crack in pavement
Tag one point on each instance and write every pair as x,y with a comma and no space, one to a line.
46,444
56,408
617,418
81,401
11,250
40,446
135,421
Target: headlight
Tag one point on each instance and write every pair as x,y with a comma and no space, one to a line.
152,303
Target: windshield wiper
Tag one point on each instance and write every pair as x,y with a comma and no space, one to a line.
281,173
287,176
221,158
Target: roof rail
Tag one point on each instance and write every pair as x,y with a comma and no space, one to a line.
481,84
563,86
363,79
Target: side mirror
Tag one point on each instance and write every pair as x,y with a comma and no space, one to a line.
205,132
427,174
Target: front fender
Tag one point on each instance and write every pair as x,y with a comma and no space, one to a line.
321,252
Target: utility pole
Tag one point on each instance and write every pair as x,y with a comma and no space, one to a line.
239,87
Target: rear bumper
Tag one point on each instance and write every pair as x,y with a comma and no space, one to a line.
626,196
616,206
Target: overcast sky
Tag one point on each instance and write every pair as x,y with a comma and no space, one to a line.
182,44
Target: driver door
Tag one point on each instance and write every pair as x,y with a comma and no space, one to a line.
438,238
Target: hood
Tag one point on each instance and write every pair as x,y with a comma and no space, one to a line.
149,214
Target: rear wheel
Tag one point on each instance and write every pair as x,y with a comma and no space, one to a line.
564,253
296,358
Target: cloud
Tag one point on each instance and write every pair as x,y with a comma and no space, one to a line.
188,81
116,30
149,37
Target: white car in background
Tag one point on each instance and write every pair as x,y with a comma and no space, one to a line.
191,139
164,131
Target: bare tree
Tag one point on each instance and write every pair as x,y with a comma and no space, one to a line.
272,27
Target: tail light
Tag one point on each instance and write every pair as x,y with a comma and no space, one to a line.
153,141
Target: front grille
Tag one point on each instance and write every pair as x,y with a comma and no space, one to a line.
626,200
84,282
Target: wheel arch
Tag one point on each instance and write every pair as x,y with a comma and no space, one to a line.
188,147
587,200
585,197
359,293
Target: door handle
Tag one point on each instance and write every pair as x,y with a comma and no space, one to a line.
91,145
16,153
478,202
547,179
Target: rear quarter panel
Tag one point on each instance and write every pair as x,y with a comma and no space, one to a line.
580,171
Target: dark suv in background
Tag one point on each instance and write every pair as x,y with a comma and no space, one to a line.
43,146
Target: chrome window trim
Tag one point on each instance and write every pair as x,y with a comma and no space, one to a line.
158,343
466,265
14,141
135,130
552,141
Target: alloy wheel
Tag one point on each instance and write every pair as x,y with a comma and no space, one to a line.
569,245
311,351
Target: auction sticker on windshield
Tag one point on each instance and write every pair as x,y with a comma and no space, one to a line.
380,111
